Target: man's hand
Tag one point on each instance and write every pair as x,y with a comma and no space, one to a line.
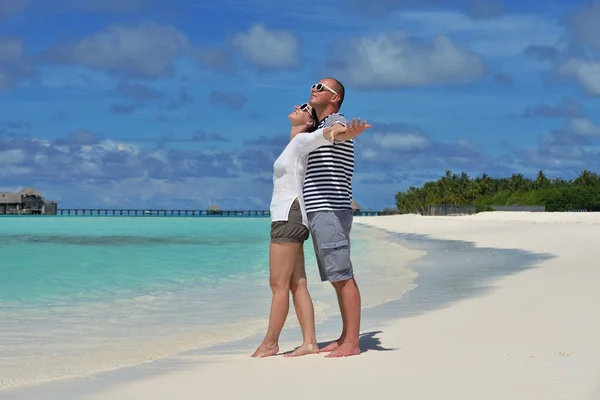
355,128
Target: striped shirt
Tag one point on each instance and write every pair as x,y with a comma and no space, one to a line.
328,180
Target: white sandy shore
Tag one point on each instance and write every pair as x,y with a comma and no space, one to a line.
536,335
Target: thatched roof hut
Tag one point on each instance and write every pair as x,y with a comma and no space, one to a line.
30,192
356,206
214,207
10,198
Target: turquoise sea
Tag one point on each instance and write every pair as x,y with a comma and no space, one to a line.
80,295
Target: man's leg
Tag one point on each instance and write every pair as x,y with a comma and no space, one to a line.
331,234
348,297
350,306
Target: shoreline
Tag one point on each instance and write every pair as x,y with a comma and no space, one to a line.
525,332
376,317
403,278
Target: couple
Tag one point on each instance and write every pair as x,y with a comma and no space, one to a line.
312,192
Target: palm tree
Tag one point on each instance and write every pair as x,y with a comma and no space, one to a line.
542,182
587,178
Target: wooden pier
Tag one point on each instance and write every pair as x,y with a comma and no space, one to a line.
160,213
179,213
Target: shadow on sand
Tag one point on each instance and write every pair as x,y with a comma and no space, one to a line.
367,341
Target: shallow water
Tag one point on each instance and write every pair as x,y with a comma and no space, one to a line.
80,295
448,272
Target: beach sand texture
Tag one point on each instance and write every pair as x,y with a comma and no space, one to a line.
535,335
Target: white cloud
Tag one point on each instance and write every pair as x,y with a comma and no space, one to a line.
60,77
587,74
502,36
13,156
268,49
5,82
369,154
116,6
584,24
381,144
447,22
8,8
584,127
146,49
401,142
392,60
485,9
11,49
550,159
573,147
73,165
12,61
16,170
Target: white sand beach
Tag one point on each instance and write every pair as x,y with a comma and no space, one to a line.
535,335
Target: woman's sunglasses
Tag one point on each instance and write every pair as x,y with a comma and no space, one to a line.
304,107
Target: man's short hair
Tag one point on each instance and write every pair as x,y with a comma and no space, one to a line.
340,90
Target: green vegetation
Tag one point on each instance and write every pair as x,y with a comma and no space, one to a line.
557,194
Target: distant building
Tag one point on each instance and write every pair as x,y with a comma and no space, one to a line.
214,209
27,201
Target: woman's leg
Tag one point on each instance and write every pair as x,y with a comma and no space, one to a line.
282,259
304,308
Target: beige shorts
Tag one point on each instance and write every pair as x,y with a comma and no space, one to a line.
291,230
330,231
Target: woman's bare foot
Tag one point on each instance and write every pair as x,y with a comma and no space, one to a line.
266,350
304,349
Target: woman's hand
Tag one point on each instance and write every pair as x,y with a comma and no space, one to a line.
340,133
333,133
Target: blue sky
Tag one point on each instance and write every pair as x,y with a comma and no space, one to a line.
177,104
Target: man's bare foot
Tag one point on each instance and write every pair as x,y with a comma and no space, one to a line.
345,350
266,350
304,349
332,346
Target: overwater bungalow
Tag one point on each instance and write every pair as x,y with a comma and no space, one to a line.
27,201
214,209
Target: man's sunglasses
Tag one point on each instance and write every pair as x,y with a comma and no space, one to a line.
320,86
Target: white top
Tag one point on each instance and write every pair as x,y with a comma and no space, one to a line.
288,174
328,180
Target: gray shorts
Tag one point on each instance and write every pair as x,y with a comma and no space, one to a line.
330,232
291,230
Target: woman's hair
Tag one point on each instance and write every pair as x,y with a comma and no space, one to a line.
313,115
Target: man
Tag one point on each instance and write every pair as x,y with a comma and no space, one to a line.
328,200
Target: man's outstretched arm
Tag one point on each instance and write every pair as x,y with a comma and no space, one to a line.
353,129
334,119
308,142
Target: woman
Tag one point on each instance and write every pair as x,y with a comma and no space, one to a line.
289,229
